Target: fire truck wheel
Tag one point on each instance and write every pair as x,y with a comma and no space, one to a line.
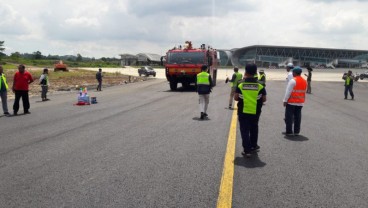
173,85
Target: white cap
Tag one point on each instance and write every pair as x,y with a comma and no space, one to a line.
290,65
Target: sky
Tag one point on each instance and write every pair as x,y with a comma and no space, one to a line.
107,28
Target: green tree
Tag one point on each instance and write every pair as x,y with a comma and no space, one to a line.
2,46
37,55
15,56
79,57
2,49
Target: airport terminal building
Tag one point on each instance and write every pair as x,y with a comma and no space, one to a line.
272,57
140,59
278,56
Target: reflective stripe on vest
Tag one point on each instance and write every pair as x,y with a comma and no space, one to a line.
3,78
203,78
250,93
238,77
298,93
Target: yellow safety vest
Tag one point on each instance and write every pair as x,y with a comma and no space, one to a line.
239,76
250,93
347,82
3,78
260,79
203,78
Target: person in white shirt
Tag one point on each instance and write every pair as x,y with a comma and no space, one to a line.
289,69
44,82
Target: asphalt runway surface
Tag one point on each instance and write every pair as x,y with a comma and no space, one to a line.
144,146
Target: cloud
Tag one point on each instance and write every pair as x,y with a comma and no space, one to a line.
12,22
110,27
186,8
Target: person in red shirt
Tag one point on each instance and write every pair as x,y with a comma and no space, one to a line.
21,82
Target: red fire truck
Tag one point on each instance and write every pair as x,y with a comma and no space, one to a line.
184,63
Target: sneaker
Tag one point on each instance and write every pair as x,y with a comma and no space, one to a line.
246,153
202,116
256,148
205,114
7,114
287,134
296,134
27,112
15,114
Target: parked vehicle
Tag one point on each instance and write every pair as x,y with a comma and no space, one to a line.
60,66
184,63
146,70
363,75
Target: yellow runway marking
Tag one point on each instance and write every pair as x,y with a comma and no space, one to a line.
226,188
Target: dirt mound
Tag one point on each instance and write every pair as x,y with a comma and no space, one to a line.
72,80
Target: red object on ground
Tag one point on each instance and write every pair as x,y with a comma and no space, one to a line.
81,103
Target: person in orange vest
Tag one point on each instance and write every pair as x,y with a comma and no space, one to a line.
293,102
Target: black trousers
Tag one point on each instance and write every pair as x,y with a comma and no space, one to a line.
309,88
350,89
293,115
44,88
249,130
99,86
25,98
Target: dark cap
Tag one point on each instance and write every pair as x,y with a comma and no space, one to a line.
251,69
297,70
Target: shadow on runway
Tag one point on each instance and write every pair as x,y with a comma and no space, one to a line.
299,138
252,162
183,89
199,119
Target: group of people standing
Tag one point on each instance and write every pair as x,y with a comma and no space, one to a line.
250,92
22,80
20,88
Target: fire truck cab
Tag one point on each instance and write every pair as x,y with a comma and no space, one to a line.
184,63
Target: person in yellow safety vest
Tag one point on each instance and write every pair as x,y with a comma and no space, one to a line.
262,78
250,96
349,80
204,86
4,91
234,84
293,102
44,82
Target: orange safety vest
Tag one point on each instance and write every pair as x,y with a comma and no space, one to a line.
298,93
